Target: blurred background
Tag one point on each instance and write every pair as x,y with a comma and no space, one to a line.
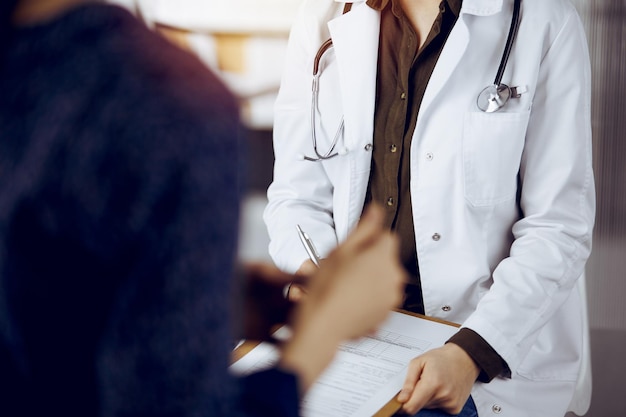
244,41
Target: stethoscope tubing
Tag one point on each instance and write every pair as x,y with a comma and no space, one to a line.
318,56
499,92
513,28
314,96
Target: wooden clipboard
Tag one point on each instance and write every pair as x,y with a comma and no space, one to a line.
392,406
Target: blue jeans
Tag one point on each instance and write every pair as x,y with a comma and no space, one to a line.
469,410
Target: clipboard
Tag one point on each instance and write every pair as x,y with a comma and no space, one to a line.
392,406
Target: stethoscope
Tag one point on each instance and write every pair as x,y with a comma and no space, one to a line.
492,98
316,77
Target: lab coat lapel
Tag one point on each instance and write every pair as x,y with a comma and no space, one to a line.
355,39
448,60
455,47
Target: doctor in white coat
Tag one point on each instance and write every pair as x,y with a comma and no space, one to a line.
503,202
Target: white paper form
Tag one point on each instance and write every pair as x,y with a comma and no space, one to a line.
366,373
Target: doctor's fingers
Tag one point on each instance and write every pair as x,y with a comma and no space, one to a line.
439,379
414,397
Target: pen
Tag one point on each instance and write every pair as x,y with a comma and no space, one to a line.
308,246
310,250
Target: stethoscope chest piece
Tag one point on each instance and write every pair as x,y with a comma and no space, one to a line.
493,97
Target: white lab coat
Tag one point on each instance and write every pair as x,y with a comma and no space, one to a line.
506,270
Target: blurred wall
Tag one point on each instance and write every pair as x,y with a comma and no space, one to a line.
605,23
243,41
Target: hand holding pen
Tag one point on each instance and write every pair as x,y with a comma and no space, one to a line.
296,291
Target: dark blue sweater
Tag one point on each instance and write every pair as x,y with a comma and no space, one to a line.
119,194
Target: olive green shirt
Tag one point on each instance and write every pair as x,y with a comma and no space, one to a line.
402,77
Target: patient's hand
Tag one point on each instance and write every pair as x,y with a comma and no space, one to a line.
297,290
348,296
263,303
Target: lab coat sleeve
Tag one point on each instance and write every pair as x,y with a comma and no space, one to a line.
301,192
552,240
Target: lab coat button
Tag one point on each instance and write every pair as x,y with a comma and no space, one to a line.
436,237
368,147
446,308
429,156
496,409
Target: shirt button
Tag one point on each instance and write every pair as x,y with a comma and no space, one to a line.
446,308
429,156
393,148
368,147
403,96
496,409
436,237
390,201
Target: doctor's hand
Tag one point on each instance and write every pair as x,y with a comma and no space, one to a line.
441,378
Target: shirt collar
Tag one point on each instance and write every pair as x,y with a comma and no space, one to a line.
453,5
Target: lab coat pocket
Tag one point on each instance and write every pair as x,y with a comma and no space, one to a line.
492,150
